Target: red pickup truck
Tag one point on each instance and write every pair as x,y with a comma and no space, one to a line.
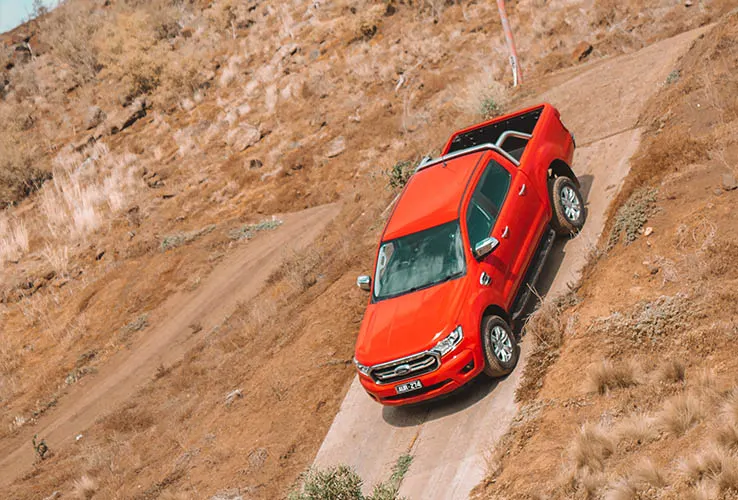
464,245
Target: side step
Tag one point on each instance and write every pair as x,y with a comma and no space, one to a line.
534,271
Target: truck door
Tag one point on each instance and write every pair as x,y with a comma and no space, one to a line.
503,205
520,226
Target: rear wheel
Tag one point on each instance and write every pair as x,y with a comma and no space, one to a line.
568,206
500,346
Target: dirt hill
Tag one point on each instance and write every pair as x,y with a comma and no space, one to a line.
631,392
147,147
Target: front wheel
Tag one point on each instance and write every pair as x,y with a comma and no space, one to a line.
501,351
568,206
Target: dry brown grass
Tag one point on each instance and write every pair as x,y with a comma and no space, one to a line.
84,488
129,419
70,32
638,428
546,327
705,465
643,476
621,489
608,375
681,413
646,473
715,467
591,447
671,371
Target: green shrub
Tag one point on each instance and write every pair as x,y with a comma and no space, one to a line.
335,483
399,174
248,231
343,483
490,108
631,217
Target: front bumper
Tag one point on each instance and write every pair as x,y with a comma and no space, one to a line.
455,371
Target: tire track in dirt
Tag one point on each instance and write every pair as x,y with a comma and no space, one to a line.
237,279
600,103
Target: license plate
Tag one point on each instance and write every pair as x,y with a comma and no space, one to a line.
410,386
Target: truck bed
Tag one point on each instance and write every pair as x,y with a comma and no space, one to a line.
490,132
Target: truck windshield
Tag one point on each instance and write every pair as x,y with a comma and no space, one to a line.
419,260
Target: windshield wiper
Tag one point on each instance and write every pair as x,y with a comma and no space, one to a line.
447,278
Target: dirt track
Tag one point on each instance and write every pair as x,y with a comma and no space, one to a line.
600,103
237,279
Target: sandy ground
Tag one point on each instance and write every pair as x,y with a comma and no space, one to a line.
448,439
237,279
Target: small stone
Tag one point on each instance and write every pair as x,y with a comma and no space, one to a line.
688,3
729,182
243,137
648,231
255,163
336,147
232,396
581,51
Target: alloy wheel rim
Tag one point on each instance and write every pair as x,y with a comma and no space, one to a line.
501,344
572,205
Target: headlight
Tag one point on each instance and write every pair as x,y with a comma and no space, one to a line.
449,343
363,369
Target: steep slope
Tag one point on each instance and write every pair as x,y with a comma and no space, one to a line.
450,438
639,400
140,145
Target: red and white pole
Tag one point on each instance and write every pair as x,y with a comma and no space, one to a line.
517,73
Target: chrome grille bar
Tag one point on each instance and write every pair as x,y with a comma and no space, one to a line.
407,367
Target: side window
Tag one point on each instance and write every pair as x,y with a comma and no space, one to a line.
486,202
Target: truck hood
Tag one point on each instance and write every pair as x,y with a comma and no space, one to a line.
408,324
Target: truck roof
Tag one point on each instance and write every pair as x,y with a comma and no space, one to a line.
432,196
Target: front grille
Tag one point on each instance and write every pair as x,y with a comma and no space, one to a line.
405,368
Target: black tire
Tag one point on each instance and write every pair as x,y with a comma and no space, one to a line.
568,216
495,363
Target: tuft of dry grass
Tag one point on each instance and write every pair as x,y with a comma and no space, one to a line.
84,189
591,447
646,473
638,428
705,465
726,433
729,411
671,371
726,436
546,325
621,489
13,239
681,413
84,488
607,376
57,257
129,419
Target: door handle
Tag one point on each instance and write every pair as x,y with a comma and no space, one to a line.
522,190
506,232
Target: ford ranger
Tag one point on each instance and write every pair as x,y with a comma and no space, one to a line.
460,253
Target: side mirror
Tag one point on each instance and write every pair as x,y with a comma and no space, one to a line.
364,282
485,247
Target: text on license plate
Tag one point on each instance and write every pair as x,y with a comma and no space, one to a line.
410,386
